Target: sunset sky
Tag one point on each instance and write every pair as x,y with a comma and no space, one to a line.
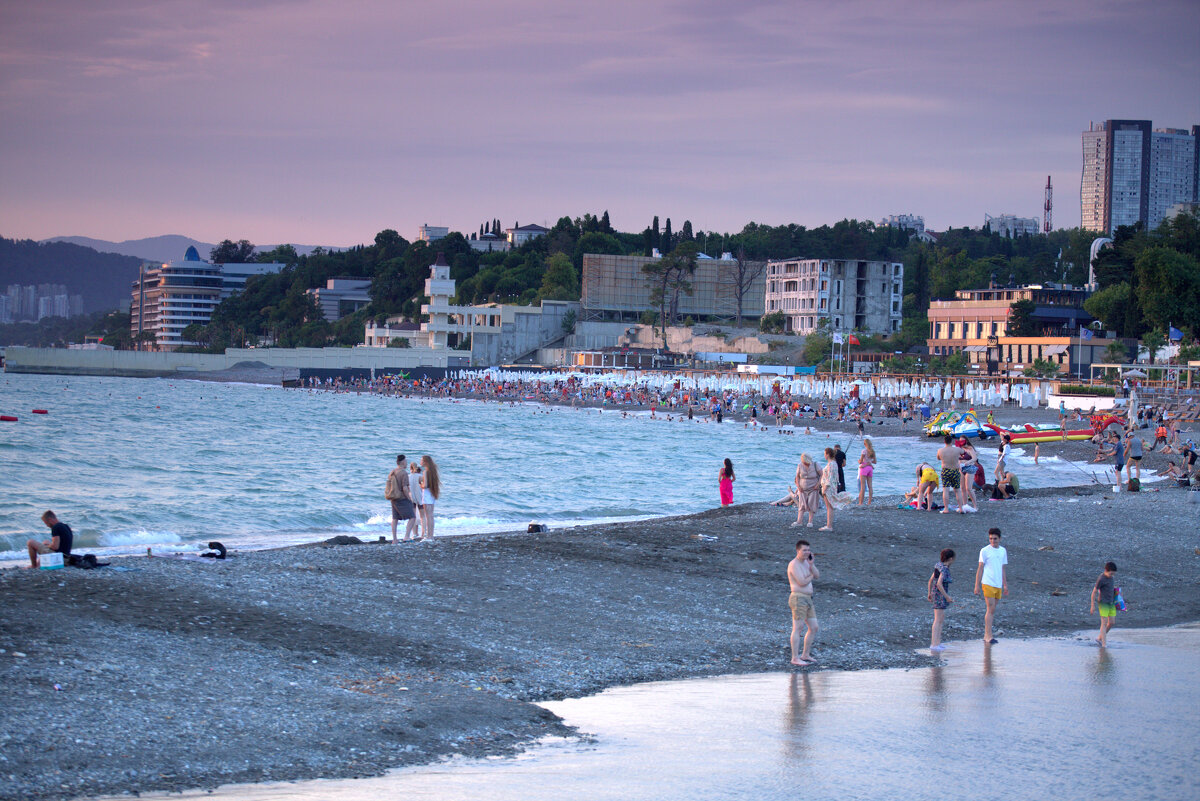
324,122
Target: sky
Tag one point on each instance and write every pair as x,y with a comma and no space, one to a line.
321,122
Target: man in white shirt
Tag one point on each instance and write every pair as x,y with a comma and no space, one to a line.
992,574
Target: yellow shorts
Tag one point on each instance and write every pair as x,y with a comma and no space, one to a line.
992,592
802,606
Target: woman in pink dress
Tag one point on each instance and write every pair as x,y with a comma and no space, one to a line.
725,482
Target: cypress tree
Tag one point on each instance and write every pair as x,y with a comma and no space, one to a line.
654,226
665,247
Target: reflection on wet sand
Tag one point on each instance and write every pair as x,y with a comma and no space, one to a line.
800,698
869,734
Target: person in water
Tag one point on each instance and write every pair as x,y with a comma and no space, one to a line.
725,479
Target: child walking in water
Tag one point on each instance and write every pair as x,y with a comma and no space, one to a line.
431,489
725,480
866,466
938,591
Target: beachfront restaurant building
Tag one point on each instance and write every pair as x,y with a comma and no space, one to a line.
976,324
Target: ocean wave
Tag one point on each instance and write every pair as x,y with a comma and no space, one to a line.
111,539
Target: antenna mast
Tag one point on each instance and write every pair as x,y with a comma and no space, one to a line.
1047,223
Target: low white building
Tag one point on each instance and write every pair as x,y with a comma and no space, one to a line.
524,233
909,222
1012,226
341,296
499,333
432,233
490,243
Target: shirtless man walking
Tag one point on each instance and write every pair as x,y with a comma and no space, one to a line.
951,458
801,573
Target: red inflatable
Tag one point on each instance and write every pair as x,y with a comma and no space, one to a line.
8,418
40,411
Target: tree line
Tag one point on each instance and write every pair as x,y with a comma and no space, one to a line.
1148,279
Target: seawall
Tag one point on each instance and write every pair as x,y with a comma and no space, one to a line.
293,362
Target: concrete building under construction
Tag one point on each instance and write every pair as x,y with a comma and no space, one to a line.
616,288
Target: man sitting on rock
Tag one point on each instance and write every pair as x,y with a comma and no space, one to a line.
59,542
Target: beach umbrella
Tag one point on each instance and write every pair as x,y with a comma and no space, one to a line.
1135,373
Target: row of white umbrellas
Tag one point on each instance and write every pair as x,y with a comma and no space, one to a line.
970,393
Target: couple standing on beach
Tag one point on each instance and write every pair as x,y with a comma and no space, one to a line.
413,490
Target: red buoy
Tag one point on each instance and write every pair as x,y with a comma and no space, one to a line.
40,411
8,418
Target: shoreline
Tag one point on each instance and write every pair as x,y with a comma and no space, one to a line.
342,661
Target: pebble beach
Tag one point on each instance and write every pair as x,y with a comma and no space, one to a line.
348,660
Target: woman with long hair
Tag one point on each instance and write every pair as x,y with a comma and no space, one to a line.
829,487
431,489
725,481
866,466
938,591
808,484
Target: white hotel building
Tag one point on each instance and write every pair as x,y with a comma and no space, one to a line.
853,295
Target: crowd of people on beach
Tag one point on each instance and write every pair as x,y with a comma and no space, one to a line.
991,584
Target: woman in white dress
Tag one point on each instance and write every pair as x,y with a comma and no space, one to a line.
431,488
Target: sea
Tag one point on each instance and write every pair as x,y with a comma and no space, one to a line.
170,465
1055,718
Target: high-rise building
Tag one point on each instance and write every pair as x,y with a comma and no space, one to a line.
167,298
1133,173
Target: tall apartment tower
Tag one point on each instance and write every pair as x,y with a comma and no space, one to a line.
1133,173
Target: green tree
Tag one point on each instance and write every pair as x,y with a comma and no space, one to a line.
560,281
1108,306
816,348
1154,342
1168,287
1042,368
283,254
1020,320
1116,353
230,252
771,323
668,276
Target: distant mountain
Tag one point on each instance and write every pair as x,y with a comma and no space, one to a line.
103,279
158,248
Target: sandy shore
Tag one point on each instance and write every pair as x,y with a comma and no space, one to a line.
343,661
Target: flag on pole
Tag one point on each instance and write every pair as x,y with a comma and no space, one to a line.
1175,333
1085,333
854,340
837,339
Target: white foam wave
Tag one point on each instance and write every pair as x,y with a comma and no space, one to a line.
111,539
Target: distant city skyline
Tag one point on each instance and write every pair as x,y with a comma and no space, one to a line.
314,122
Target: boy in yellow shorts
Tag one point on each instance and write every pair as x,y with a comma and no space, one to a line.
992,576
1104,595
